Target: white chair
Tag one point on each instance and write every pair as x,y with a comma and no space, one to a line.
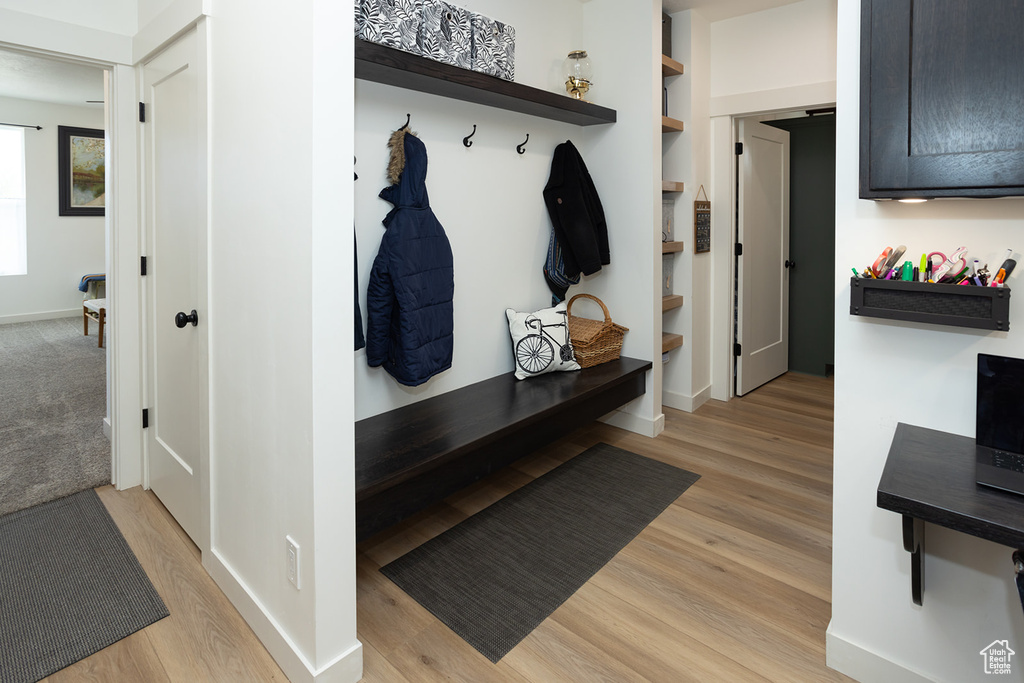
97,310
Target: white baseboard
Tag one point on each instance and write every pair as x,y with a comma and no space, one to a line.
864,665
635,423
689,404
346,668
43,315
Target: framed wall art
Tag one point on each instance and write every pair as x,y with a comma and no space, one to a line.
81,159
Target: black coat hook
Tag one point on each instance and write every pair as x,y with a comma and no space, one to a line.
466,140
408,118
522,148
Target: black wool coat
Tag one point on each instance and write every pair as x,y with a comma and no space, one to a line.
576,212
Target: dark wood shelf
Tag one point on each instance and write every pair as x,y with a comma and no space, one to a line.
387,65
929,477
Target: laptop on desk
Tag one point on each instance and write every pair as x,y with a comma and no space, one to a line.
1000,423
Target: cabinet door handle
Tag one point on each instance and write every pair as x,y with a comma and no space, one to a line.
790,264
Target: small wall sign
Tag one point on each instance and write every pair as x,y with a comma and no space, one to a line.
702,223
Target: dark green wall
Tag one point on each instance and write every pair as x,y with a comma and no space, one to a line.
812,177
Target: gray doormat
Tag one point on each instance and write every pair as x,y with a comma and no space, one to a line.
69,587
497,575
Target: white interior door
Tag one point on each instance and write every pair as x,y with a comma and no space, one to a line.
762,323
175,208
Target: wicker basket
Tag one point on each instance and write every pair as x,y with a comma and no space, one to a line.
594,341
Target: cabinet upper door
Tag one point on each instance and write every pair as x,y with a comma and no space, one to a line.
942,98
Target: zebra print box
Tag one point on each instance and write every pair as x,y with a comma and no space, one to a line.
494,47
394,23
446,34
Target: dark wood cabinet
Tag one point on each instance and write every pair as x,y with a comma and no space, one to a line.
942,98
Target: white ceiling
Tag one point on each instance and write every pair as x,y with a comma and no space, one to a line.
33,77
716,10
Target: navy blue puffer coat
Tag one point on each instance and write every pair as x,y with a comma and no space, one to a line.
409,300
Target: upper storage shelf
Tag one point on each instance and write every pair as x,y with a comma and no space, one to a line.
387,65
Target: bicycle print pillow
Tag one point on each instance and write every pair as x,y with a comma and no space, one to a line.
540,341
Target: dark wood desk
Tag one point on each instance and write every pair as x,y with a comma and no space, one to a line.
929,477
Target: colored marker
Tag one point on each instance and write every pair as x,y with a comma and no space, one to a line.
1004,272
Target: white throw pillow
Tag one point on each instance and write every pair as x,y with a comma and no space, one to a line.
540,341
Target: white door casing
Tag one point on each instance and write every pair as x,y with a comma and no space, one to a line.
762,325
175,210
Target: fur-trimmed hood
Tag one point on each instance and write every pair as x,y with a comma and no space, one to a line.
407,171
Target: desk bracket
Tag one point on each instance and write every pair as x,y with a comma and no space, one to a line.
913,543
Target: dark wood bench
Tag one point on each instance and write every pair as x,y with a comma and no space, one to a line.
414,456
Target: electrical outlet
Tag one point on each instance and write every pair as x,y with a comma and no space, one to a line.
293,561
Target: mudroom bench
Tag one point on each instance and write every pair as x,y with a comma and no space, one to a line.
414,456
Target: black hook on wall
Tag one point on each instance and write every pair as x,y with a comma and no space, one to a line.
408,118
522,148
466,140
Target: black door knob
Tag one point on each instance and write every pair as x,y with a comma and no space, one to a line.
181,319
790,264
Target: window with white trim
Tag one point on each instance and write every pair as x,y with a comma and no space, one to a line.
12,202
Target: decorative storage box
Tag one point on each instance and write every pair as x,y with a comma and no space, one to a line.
494,47
446,34
394,23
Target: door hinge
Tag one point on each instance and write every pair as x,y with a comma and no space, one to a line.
739,248
737,350
142,267
145,418
739,148
142,112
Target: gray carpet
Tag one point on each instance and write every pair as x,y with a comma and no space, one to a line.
497,575
52,404
69,587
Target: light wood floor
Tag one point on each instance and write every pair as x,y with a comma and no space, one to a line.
731,583
204,639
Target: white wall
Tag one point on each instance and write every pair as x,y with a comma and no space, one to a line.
687,158
489,198
625,162
150,9
792,83
783,36
279,463
61,249
115,16
877,633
